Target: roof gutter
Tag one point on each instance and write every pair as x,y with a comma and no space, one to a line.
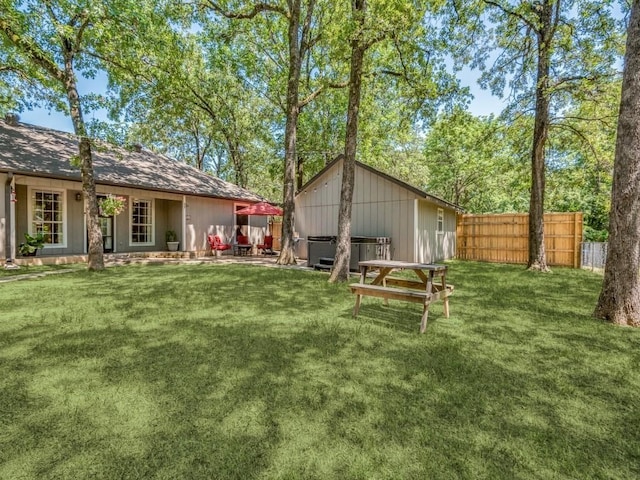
28,173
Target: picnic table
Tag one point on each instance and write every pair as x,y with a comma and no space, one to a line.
423,290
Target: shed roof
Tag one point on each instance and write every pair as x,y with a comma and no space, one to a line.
402,184
36,151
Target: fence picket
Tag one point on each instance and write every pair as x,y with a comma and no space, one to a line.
505,238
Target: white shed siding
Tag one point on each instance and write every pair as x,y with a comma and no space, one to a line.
450,224
431,246
381,208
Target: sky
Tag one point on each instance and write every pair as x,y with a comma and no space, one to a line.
483,103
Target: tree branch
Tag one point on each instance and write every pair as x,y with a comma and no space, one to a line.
318,91
512,13
579,134
305,43
31,50
257,8
83,26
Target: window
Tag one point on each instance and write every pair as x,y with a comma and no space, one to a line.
440,224
141,222
47,216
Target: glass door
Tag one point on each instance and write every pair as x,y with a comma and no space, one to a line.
106,225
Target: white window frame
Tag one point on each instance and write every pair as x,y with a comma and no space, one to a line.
440,221
153,222
31,192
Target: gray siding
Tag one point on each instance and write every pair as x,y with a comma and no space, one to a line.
202,215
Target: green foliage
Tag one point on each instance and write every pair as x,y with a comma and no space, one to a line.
471,160
171,236
165,371
112,205
31,243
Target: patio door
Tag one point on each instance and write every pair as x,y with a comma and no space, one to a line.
106,225
242,221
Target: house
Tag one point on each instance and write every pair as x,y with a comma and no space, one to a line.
422,227
41,191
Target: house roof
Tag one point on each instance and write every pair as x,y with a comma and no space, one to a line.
37,151
402,184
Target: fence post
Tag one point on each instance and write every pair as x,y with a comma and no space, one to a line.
577,238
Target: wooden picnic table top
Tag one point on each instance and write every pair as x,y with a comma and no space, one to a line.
399,264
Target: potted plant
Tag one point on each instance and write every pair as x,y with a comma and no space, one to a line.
31,244
172,240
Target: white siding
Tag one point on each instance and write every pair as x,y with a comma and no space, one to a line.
206,216
431,246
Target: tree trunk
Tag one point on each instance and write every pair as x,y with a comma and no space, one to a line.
287,253
340,271
619,300
537,254
96,255
300,173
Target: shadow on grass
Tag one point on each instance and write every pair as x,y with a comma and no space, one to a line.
208,374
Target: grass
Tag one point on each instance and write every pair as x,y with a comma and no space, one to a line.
38,269
239,372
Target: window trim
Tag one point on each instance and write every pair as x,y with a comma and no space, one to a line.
440,220
31,191
152,203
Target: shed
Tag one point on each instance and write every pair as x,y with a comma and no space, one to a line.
422,227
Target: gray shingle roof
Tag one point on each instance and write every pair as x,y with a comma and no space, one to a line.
30,150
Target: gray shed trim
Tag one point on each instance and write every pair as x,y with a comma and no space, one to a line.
42,152
411,188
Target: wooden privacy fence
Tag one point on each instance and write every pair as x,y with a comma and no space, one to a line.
504,238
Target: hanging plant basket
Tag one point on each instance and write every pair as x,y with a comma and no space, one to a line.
111,205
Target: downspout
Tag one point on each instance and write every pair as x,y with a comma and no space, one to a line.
416,232
8,224
183,234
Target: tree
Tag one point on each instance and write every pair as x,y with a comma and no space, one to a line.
177,91
550,51
619,300
300,40
48,41
416,63
469,160
581,155
359,45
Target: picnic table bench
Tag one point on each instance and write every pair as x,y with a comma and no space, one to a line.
424,290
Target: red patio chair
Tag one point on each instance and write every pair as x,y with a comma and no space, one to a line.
242,240
267,246
216,244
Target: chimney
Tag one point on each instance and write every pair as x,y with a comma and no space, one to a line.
12,119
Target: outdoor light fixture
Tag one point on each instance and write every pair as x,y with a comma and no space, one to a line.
78,197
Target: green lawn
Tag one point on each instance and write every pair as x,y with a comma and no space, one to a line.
38,270
232,371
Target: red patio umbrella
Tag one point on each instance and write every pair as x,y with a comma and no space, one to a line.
260,208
